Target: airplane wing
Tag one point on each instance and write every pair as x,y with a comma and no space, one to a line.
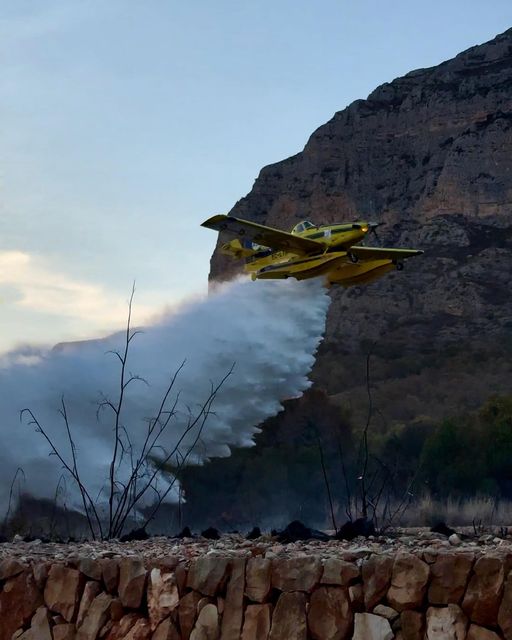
265,236
378,253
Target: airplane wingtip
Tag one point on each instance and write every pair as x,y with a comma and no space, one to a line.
213,220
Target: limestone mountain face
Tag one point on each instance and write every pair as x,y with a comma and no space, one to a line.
430,155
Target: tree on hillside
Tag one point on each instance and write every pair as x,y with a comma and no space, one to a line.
472,453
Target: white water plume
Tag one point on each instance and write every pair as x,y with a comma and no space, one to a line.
269,330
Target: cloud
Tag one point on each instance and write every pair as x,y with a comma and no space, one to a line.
30,283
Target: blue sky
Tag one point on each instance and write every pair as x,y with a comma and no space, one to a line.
127,123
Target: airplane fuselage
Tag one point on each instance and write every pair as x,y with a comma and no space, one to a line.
336,239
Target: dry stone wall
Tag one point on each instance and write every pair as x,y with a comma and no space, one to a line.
423,594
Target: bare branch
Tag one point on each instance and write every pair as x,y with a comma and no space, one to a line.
117,354
135,378
122,388
39,429
64,414
364,439
326,479
146,448
134,333
20,471
200,421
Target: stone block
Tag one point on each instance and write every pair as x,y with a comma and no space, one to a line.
330,615
63,590
132,581
207,574
368,626
296,574
96,616
376,572
339,572
19,600
258,579
257,622
481,633
481,602
232,618
162,596
207,624
408,582
445,623
449,577
412,625
289,619
187,612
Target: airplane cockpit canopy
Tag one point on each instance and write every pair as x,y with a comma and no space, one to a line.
303,226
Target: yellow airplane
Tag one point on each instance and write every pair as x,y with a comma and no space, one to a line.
308,251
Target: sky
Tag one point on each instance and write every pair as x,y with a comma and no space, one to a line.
125,124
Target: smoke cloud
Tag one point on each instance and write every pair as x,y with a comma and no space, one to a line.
269,330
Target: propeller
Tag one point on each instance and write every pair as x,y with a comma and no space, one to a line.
369,227
373,229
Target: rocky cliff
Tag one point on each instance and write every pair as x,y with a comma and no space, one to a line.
430,155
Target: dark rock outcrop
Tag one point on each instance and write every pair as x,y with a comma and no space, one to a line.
441,527
428,154
298,531
135,534
352,529
254,533
211,533
185,533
